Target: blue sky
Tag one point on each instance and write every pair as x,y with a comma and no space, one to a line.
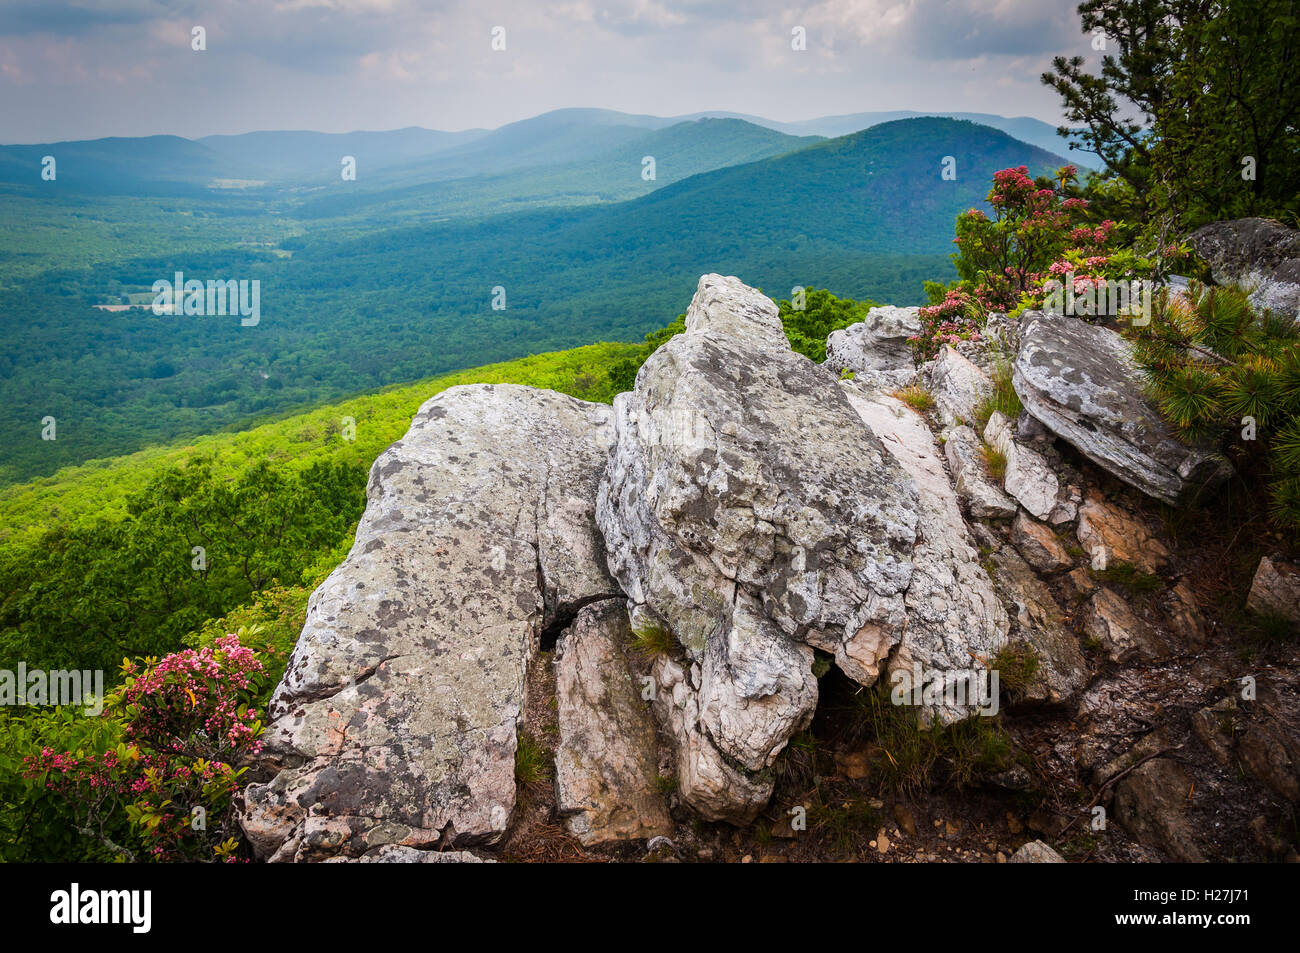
74,70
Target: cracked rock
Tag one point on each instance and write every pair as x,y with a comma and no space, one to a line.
477,532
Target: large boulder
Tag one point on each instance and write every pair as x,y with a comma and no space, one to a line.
395,722
748,509
958,387
1258,254
877,343
1081,382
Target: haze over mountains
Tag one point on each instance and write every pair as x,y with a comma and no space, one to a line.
415,154
391,278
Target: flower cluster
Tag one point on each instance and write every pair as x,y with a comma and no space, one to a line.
954,319
196,691
1001,258
185,724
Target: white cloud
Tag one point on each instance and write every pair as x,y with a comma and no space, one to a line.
127,68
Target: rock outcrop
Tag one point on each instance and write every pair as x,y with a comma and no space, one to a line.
955,620
877,343
1150,803
747,508
1080,381
749,517
1039,545
1258,254
395,722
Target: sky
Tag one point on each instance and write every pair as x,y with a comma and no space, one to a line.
93,68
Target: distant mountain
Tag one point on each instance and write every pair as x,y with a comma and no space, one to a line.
554,138
615,173
1026,129
575,145
297,155
127,166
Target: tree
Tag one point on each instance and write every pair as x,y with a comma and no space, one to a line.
1197,111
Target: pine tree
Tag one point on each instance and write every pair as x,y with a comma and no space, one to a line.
1220,372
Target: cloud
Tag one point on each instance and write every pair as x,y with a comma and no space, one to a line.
944,29
63,18
80,69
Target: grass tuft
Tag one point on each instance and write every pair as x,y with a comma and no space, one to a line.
651,641
995,461
1016,666
1003,399
916,397
532,761
1129,578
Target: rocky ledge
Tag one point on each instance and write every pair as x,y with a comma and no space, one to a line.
757,522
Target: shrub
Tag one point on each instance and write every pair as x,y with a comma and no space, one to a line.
1033,224
958,317
183,724
1222,373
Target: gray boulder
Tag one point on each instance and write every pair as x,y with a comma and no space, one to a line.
955,620
957,385
1080,381
1260,255
607,763
395,722
1030,477
747,508
878,343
